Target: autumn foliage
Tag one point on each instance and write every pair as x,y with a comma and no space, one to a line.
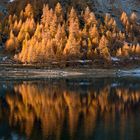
68,35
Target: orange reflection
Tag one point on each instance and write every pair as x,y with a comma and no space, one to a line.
53,106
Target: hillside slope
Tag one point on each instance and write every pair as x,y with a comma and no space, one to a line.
115,7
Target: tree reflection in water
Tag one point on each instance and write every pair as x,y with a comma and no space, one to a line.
71,109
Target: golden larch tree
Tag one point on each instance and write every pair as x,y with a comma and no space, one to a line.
11,43
103,48
28,11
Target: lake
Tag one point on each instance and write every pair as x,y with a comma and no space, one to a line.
70,109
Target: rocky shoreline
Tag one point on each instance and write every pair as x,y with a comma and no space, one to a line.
24,73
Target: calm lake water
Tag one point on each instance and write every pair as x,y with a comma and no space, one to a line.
70,109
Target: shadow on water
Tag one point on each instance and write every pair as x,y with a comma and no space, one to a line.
70,109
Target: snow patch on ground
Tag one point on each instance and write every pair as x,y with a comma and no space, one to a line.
11,0
115,59
4,58
132,72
